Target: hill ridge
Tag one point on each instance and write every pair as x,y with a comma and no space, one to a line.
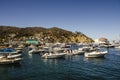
53,34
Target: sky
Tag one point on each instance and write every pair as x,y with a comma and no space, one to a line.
94,18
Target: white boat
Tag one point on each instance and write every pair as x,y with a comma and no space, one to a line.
78,52
18,48
1,56
53,55
96,54
74,52
9,55
19,51
14,56
117,47
10,61
34,50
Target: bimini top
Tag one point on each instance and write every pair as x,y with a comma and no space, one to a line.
7,50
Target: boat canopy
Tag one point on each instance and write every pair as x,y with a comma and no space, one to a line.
6,50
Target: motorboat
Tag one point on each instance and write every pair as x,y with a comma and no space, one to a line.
51,55
18,48
35,50
14,56
96,54
117,47
74,52
78,52
9,55
10,61
8,50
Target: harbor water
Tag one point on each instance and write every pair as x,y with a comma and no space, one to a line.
76,67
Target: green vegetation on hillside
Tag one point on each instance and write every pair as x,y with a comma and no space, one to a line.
54,34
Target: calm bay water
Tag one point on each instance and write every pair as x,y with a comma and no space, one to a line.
33,67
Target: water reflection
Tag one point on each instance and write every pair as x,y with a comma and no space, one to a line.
5,70
30,55
94,60
69,57
50,61
77,67
10,65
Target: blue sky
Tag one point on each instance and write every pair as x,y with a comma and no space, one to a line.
94,18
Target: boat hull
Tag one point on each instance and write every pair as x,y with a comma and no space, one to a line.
10,61
95,54
52,56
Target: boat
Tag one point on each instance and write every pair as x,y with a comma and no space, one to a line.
53,55
35,50
78,52
95,54
9,56
18,48
8,50
14,56
74,52
117,47
10,61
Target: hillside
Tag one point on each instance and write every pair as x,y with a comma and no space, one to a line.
53,34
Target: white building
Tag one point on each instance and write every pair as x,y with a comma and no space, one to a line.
101,41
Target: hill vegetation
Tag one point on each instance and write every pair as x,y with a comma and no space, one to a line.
53,34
